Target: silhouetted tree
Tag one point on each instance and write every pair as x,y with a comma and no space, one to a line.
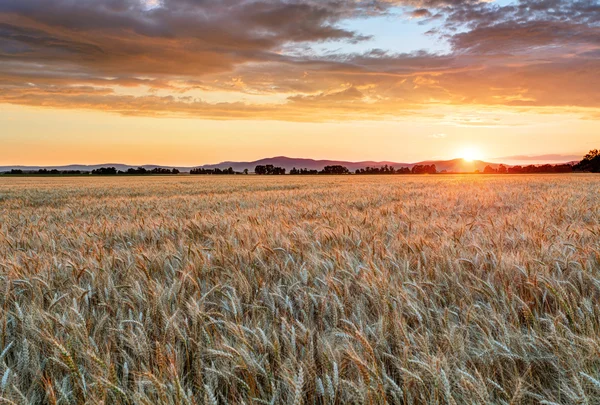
565,168
489,170
589,163
104,171
303,171
515,170
46,172
200,170
131,171
547,168
382,170
139,170
424,169
336,169
269,169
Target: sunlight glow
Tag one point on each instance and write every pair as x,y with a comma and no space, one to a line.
470,154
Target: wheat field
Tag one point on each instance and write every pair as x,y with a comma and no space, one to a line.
300,290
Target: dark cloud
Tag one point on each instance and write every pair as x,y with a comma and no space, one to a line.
527,26
420,13
83,53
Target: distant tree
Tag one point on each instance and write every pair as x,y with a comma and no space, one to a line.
46,172
502,169
304,171
200,170
424,169
515,169
162,170
245,171
104,171
269,169
142,170
589,163
335,169
489,170
156,170
564,168
385,169
547,168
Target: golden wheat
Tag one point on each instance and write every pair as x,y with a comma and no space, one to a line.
311,290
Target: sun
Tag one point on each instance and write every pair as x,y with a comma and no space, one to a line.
470,153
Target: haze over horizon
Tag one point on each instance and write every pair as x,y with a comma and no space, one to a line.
457,165
185,83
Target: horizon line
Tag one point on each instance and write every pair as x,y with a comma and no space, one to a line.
546,158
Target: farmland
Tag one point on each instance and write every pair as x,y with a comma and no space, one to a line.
300,290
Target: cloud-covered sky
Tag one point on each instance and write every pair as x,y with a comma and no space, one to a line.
307,61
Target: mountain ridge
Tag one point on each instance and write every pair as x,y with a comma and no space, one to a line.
453,165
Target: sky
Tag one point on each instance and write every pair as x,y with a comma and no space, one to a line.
190,82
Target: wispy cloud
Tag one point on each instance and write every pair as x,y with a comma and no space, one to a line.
541,158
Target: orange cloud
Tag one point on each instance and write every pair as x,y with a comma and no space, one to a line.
135,58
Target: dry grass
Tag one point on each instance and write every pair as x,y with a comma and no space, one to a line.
320,290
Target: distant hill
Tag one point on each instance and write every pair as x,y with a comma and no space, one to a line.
300,163
89,168
454,165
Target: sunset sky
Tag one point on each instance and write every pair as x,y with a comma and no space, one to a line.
189,82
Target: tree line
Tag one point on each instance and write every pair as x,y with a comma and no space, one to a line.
589,163
270,169
385,169
46,171
111,171
200,170
502,169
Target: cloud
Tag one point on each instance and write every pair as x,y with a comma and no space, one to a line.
170,57
420,13
438,136
541,158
